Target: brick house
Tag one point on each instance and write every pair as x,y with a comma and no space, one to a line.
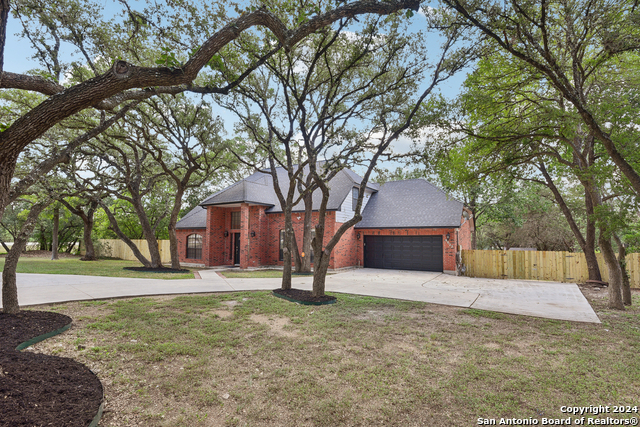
407,225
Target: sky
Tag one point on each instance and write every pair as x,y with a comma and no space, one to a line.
18,58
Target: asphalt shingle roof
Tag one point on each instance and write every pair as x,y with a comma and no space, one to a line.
410,203
195,218
258,188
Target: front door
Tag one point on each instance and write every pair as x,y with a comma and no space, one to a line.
236,248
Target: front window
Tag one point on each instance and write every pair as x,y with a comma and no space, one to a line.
235,220
194,246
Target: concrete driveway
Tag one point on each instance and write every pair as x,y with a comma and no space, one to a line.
552,300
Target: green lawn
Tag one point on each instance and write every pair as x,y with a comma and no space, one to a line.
249,358
111,268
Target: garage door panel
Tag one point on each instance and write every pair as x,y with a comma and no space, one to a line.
404,252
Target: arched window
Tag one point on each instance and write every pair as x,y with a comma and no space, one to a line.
194,246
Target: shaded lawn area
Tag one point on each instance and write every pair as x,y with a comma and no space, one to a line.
103,267
249,358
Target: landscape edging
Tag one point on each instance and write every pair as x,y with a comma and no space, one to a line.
28,343
42,337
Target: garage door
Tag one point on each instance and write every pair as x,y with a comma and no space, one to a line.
403,252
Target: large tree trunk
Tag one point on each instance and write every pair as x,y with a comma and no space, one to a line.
321,253
286,250
173,237
9,285
87,229
6,173
474,238
54,233
321,260
305,267
615,274
321,266
90,251
116,229
149,234
588,244
303,258
5,6
42,239
589,248
626,287
297,259
88,221
474,233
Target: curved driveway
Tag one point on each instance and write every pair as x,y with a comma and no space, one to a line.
552,300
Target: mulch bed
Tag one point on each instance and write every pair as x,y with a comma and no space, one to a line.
157,270
39,389
304,297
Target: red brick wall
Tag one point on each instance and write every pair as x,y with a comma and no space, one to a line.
182,235
448,247
263,248
216,252
464,232
256,245
276,223
345,254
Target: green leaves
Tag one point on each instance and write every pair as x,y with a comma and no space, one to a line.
216,63
168,59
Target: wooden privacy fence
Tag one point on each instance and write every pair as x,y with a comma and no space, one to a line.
115,248
540,265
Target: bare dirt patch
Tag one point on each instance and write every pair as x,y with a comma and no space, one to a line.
276,324
594,293
230,304
222,313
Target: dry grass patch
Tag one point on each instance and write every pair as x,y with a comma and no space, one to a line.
238,359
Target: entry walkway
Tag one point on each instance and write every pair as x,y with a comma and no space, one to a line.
552,300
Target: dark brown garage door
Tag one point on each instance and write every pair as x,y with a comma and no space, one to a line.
403,252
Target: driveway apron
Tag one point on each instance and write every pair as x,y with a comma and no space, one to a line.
553,300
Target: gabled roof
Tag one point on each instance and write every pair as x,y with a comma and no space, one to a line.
195,218
410,203
258,189
396,204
